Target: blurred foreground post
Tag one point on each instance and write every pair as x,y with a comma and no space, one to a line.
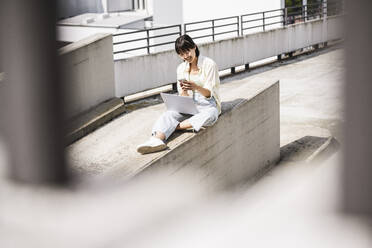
358,128
31,94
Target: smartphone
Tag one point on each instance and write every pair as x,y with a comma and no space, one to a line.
182,81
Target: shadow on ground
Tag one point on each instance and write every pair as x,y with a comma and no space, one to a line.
309,148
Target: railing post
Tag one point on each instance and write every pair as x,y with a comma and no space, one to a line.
184,28
148,40
304,2
174,87
241,26
325,10
285,14
213,30
263,20
237,22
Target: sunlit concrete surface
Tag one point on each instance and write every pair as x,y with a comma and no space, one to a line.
310,105
311,96
296,204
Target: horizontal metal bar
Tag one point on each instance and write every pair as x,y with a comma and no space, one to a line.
163,35
257,13
132,49
132,32
144,47
272,23
272,10
173,26
225,18
254,20
204,36
152,37
226,32
218,19
266,24
151,29
193,23
128,41
161,44
270,17
302,6
198,29
225,25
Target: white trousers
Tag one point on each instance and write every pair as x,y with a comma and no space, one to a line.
207,116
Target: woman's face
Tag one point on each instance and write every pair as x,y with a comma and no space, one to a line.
189,55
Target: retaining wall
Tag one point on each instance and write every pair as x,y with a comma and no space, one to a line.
87,73
243,142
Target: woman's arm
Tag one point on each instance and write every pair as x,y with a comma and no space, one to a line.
188,85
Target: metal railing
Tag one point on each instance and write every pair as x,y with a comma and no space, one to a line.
147,38
236,25
261,19
214,26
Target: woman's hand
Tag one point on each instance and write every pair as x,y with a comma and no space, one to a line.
188,85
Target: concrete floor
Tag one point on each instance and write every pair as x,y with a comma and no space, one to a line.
296,204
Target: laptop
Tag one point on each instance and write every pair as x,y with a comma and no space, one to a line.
180,104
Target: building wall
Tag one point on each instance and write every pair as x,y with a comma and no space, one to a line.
170,12
196,10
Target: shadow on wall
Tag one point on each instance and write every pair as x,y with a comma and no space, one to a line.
228,105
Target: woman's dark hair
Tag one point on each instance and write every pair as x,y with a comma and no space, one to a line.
185,43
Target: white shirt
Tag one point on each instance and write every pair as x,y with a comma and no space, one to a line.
207,77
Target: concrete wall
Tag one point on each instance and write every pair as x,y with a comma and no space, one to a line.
243,142
88,73
145,72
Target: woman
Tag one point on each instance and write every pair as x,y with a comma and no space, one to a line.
198,77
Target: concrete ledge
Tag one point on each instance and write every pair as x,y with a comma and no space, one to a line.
244,141
94,118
